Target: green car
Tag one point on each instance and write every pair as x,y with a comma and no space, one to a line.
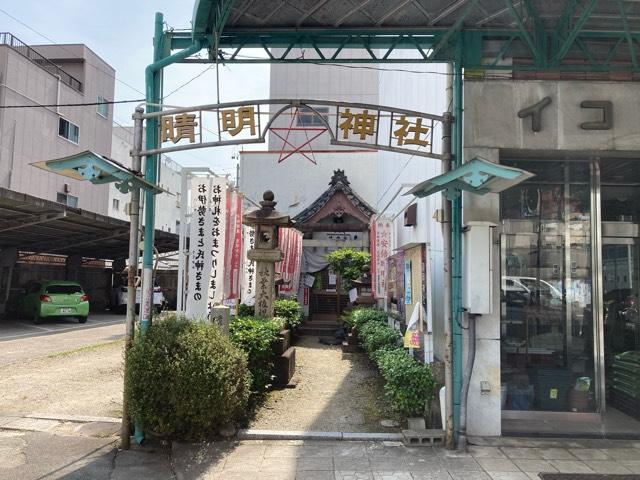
54,299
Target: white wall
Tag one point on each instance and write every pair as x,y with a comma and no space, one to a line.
319,82
167,204
424,92
297,183
30,135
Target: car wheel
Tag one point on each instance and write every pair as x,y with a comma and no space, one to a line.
36,318
82,319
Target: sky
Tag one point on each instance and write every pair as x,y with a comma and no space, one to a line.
121,33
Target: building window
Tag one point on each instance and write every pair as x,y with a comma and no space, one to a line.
116,204
308,118
102,108
68,130
68,200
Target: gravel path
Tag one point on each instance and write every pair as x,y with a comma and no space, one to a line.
85,381
336,392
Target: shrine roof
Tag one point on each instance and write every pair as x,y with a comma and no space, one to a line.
338,183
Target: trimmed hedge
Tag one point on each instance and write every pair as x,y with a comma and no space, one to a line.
375,335
360,316
185,379
256,337
289,310
246,310
408,383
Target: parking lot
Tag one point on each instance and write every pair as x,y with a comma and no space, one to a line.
12,329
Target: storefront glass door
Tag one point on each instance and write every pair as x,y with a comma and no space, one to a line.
620,194
547,326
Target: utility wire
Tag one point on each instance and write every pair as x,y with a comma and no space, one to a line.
109,74
85,104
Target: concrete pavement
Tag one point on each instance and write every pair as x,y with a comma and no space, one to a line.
41,455
21,341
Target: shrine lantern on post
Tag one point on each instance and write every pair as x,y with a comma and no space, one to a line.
265,253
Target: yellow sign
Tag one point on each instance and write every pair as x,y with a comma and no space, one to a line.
234,120
412,339
177,127
363,124
407,128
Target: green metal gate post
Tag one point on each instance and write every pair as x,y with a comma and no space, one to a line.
153,93
456,244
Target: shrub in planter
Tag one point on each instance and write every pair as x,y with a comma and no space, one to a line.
246,310
359,316
256,337
375,335
289,310
185,379
408,384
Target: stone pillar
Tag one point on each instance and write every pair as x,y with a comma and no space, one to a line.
220,316
266,221
265,279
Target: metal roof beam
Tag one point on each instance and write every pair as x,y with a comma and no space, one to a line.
573,33
454,29
526,38
627,33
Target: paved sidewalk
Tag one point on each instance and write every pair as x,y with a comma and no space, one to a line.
40,455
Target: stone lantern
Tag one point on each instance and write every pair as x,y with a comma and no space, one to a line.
265,253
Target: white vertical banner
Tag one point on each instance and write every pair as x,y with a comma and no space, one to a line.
217,231
248,294
200,247
382,250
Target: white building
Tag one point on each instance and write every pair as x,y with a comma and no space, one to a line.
41,75
167,204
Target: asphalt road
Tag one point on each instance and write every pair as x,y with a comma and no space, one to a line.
21,340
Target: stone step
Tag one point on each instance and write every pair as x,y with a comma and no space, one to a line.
322,330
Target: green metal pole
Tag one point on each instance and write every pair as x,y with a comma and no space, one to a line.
456,245
153,91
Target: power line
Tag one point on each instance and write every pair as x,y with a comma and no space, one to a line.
109,74
189,81
85,104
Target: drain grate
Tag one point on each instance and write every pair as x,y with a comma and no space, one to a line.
587,476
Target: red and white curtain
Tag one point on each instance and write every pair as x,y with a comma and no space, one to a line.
290,242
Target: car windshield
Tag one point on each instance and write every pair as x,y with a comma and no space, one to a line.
64,289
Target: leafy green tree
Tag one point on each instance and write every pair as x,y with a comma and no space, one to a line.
349,264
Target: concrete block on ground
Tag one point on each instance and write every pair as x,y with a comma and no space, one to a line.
422,438
285,366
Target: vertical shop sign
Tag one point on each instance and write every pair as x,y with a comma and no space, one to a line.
407,282
248,293
381,248
200,250
218,227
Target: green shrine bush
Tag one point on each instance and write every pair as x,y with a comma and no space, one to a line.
349,264
185,380
290,311
358,317
375,335
246,310
408,383
256,337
